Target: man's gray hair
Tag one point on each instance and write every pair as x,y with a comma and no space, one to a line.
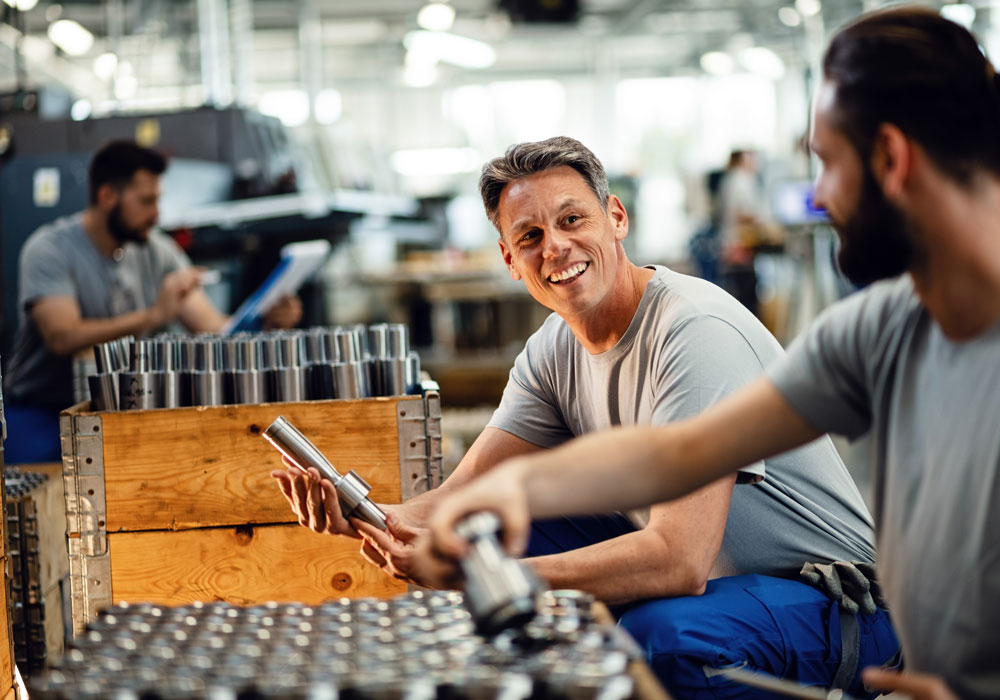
524,159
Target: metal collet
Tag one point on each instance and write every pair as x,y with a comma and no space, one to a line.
352,490
500,592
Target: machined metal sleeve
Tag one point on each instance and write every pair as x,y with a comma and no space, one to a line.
352,491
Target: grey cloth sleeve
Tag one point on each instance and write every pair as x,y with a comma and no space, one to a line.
45,272
529,408
167,254
825,375
705,360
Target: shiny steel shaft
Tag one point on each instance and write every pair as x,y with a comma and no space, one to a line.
351,488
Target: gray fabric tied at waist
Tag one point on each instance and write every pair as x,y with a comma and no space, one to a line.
854,587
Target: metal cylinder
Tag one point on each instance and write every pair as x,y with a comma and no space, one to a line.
348,345
286,384
397,340
378,340
352,491
137,390
393,376
291,349
270,355
205,388
106,357
500,592
208,355
413,373
247,386
314,346
103,391
321,381
349,379
141,357
170,391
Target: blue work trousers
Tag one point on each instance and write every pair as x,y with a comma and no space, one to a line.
760,623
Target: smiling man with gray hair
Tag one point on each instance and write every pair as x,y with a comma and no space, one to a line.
708,577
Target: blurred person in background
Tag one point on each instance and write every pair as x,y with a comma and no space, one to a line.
745,225
104,273
905,126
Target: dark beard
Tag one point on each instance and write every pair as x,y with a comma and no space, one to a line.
874,242
122,232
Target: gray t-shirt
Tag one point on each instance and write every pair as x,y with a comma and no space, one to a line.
877,363
59,259
688,345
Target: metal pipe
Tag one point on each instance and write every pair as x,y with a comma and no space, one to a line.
352,490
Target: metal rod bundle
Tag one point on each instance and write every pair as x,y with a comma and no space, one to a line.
350,362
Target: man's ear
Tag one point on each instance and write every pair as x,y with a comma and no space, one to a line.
505,252
618,216
107,197
891,159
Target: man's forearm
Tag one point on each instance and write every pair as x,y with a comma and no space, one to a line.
627,468
87,332
631,567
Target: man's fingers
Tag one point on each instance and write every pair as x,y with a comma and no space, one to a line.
369,552
317,510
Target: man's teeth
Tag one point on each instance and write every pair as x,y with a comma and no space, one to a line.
568,272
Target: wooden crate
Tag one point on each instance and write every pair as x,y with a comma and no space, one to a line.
177,505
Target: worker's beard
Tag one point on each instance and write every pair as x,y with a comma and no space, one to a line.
875,243
122,232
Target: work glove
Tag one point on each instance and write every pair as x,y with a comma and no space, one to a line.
852,585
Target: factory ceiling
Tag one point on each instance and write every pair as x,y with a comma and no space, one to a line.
161,44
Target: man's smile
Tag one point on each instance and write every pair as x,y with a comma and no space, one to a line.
569,274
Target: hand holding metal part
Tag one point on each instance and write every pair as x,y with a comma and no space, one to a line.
352,490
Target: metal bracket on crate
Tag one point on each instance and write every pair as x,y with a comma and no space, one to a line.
82,439
412,448
432,410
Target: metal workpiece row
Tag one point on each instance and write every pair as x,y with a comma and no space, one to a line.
27,604
418,646
169,371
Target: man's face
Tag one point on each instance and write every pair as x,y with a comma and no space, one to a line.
136,209
874,235
556,237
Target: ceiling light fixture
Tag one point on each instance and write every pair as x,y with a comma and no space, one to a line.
22,5
449,48
436,17
717,63
70,36
105,66
761,60
959,13
808,8
789,16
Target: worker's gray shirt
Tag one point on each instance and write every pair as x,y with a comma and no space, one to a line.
688,345
878,363
60,259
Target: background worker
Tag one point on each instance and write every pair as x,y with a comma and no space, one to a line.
905,127
104,273
638,346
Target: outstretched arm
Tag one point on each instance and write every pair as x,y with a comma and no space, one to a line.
626,467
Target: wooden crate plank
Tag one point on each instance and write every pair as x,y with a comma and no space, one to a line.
242,566
209,466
